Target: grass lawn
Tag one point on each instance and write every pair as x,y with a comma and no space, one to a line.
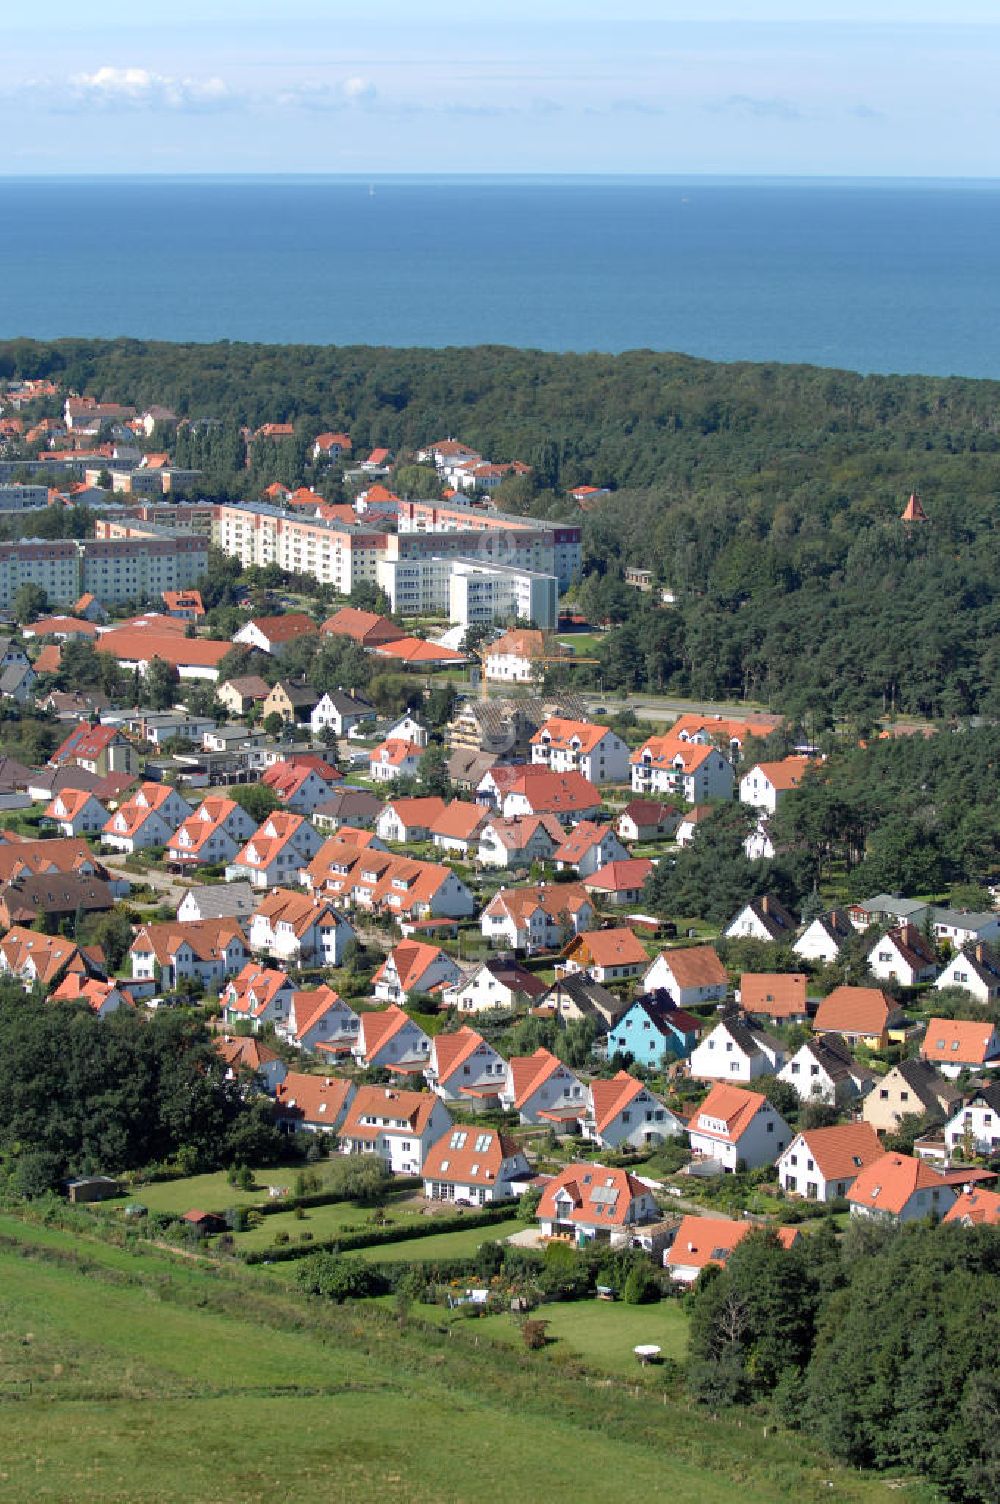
212,1193
601,1332
445,1245
327,1221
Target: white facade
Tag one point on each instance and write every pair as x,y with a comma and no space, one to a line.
607,761
799,1173
468,591
561,1095
645,1120
712,778
725,1055
760,1142
817,944
981,981
975,1128
686,995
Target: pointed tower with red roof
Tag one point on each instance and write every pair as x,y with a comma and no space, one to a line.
914,511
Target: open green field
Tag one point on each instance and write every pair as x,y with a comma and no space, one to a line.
208,1193
603,1333
331,1221
147,1378
445,1245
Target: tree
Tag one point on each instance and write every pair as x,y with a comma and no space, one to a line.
433,771
274,723
335,1277
160,684
113,933
29,603
257,800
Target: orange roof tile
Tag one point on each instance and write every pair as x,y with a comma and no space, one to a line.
888,1184
775,994
961,1041
710,1240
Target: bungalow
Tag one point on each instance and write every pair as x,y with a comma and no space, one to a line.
311,1104
298,786
653,1031
613,955
495,983
619,883
568,746
961,927
207,952
779,997
738,1129
413,966
76,812
822,1164
102,998
339,712
366,628
764,919
824,1070
905,954
825,937
913,1088
898,1188
277,852
954,1045
735,1051
464,1068
149,818
688,770
540,917
889,906
703,1241
475,1165
274,634
692,974
320,1020
647,820
767,783
587,848
861,1015
409,820
258,995
392,1041
458,827
540,1089
588,1203
975,1126
214,833
578,995
973,1208
624,1112
519,842
976,970
538,791
294,703
394,759
399,1126
301,929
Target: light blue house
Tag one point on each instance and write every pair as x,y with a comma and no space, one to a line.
654,1030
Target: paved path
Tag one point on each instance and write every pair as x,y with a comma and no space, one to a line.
165,885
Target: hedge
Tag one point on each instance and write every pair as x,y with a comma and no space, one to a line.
329,1198
350,1242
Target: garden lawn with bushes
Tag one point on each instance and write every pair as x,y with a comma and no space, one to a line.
601,1332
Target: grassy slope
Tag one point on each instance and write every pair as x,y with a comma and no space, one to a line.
156,1379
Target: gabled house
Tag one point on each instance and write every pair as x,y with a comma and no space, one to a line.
736,1051
340,712
299,786
568,746
394,758
963,927
464,1068
149,818
366,628
613,955
538,791
587,848
976,969
61,896
777,996
822,1164
495,983
861,1015
974,1208
414,966
688,824
274,634
653,1031
319,1021
217,901
703,1241
45,959
898,1188
588,1203
277,852
76,812
311,1104
302,929
738,1129
391,1040
689,770
975,1126
245,1053
212,834
824,938
207,952
257,995
905,954
540,917
519,842
294,703
578,995
458,827
98,749
954,1045
102,998
767,783
623,1111
399,1126
474,1165
540,1089
647,820
691,974
240,695
408,820
515,658
824,1070
913,1088
619,883
764,919
347,806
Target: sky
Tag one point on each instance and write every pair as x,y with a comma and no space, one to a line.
732,87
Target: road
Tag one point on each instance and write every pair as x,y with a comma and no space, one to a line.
660,708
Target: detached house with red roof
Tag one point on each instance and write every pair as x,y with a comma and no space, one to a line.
399,1126
619,883
477,1165
588,848
391,1040
320,1022
311,1104
248,1054
691,974
903,953
330,446
777,996
955,1045
703,1241
689,770
273,634
301,929
464,1068
258,995
539,917
205,950
567,746
519,843
540,1089
588,1203
394,758
366,628
614,955
413,966
98,749
767,783
822,1164
458,827
738,1129
403,820
861,1015
212,834
298,786
149,818
102,998
277,851
75,812
45,959
898,1188
538,791
623,1111
647,820
974,1208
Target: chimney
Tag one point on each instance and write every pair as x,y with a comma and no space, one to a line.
765,904
979,951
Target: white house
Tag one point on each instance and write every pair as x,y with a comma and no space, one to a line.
339,712
311,1104
954,1045
540,917
390,1039
77,813
257,996
590,1203
320,1020
495,983
822,1164
394,758
691,974
211,835
207,952
568,746
738,1129
149,818
475,1165
414,966
824,938
404,820
763,919
519,843
623,1111
824,1070
767,783
515,658
975,1127
735,1051
898,1188
464,1068
300,928
588,848
277,852
540,1089
905,954
691,770
961,927
399,1126
976,970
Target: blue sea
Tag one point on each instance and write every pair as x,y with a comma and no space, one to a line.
871,275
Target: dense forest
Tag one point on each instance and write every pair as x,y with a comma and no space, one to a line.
766,497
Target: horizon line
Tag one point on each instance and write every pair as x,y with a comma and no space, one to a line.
425,175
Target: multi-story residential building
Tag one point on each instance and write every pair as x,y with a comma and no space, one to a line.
469,590
115,572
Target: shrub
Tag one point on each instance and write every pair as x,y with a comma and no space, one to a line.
534,1334
642,1287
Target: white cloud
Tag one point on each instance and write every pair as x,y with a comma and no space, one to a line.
353,92
142,89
